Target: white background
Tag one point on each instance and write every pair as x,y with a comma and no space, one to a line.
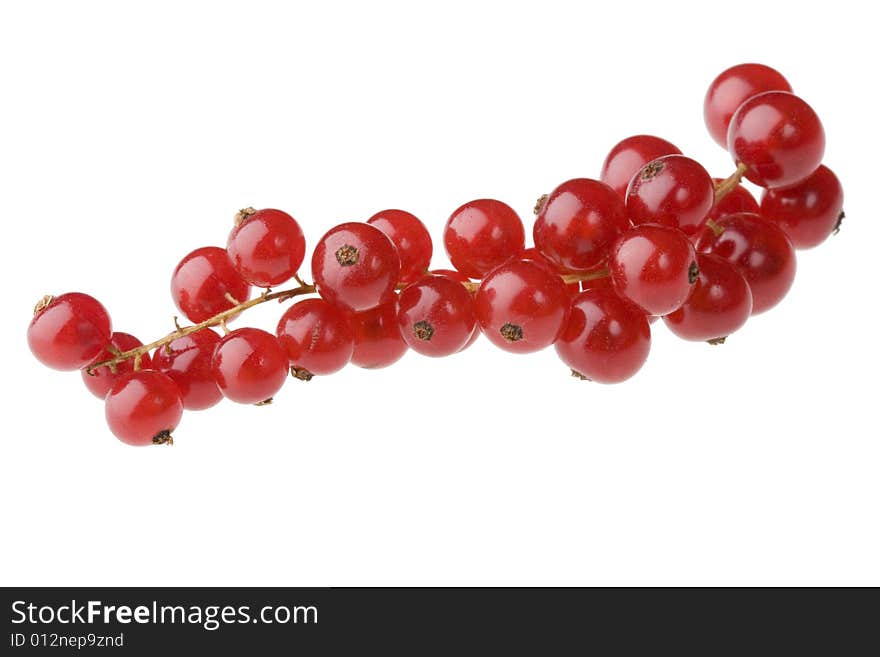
130,134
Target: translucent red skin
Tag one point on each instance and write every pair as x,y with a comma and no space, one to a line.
720,304
249,365
578,223
731,89
267,247
202,280
410,237
680,194
445,305
367,283
739,199
778,137
316,336
482,234
651,267
761,252
808,212
188,361
525,294
102,379
141,405
606,338
461,278
377,339
630,155
70,332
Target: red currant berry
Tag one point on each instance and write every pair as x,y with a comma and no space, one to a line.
674,191
205,283
808,212
143,408
266,247
188,361
761,252
317,337
250,365
629,156
778,137
411,238
606,339
69,331
356,267
521,306
377,339
739,199
531,253
734,87
483,234
102,379
436,316
719,305
578,223
655,267
457,276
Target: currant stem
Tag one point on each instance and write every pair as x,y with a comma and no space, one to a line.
217,320
727,185
220,319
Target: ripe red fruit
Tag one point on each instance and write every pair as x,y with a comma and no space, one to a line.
654,267
719,305
808,212
204,282
630,155
521,306
316,336
102,379
143,408
731,89
68,332
481,235
578,223
778,137
674,191
410,237
188,361
761,252
249,365
606,339
356,267
266,247
377,339
739,199
436,316
458,277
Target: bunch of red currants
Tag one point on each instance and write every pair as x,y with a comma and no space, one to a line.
655,236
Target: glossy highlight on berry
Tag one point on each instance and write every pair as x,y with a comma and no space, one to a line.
521,306
266,247
483,234
578,223
356,267
68,332
205,283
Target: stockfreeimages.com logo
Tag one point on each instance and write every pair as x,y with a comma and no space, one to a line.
210,617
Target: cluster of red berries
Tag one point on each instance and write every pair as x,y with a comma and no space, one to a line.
656,236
